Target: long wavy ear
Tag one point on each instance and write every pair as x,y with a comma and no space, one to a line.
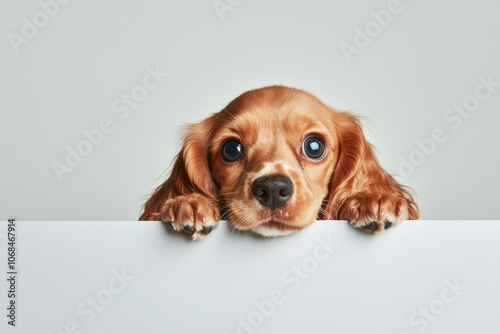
190,173
358,174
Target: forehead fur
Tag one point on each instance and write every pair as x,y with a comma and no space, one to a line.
273,110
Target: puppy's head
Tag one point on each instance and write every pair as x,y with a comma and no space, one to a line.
271,156
274,158
268,157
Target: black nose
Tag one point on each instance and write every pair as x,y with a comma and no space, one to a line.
273,191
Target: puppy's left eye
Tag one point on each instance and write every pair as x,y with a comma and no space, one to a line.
232,150
314,148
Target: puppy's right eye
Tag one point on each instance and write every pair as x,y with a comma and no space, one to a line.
232,150
314,147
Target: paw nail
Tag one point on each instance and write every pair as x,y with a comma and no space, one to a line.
388,225
206,230
187,230
372,226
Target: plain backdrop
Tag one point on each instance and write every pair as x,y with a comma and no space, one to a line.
64,79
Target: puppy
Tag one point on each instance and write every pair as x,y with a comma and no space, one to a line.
272,162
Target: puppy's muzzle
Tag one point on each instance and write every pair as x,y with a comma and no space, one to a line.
272,191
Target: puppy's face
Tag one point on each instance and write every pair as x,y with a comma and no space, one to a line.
273,161
272,154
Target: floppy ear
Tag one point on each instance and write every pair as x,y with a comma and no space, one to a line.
190,173
358,176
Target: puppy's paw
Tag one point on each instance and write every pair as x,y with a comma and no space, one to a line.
194,214
375,214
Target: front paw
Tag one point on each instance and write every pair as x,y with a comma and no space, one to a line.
193,214
375,214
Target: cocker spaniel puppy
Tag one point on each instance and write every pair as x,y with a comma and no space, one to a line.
272,162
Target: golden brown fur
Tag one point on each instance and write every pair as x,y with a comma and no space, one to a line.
271,124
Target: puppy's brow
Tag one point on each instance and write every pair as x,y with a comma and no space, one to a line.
229,132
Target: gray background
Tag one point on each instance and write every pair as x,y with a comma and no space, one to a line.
65,78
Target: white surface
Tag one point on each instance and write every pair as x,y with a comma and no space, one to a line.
369,284
64,81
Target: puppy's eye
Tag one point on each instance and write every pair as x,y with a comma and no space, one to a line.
232,150
314,148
